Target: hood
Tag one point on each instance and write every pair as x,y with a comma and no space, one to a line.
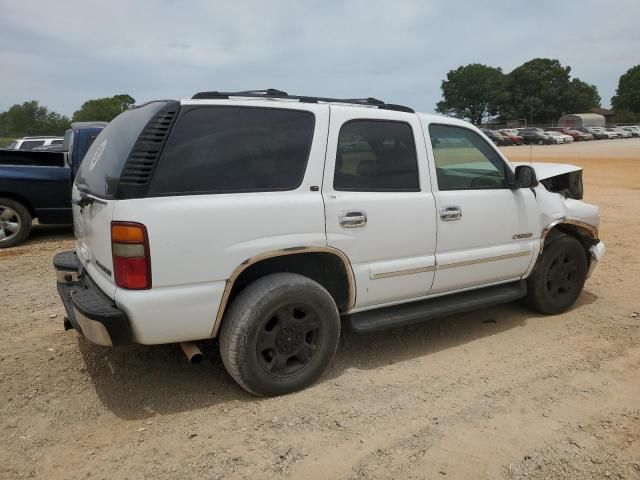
548,170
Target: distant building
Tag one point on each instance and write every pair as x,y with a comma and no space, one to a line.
582,120
607,113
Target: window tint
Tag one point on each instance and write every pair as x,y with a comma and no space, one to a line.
376,156
108,154
31,144
56,142
464,160
235,149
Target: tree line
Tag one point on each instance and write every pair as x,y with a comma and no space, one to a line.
538,91
31,118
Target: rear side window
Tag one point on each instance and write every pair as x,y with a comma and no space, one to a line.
31,144
56,142
235,149
376,156
102,165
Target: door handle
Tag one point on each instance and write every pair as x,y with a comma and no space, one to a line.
353,218
450,213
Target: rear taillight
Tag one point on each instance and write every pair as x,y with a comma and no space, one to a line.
131,261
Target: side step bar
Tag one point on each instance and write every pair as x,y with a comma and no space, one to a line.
423,310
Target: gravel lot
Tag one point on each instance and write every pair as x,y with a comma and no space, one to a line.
497,393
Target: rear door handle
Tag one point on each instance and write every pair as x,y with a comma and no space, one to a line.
353,218
449,213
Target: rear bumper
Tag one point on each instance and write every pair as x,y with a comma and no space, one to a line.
90,311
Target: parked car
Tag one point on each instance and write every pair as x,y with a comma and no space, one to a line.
577,135
536,135
635,131
623,133
560,137
37,184
288,232
515,138
614,131
29,143
509,131
596,132
50,148
609,134
497,138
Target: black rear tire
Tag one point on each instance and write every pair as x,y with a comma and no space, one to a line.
15,223
558,278
279,334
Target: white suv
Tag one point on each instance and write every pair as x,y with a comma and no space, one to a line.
265,219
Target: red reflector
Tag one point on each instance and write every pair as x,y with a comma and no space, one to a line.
131,273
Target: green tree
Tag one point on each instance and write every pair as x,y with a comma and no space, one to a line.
472,92
103,109
581,97
537,90
31,118
627,97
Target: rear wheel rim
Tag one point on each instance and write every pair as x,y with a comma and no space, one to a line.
10,223
289,339
561,277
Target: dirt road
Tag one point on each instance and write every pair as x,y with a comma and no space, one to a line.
498,393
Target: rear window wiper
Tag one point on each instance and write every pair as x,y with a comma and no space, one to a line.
85,200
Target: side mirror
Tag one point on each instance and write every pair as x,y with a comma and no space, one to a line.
524,177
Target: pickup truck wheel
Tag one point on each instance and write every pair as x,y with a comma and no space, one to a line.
279,334
15,223
557,280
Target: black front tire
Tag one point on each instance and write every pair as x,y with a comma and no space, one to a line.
13,213
279,334
558,278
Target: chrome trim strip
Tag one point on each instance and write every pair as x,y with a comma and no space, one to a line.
590,229
484,260
399,273
279,253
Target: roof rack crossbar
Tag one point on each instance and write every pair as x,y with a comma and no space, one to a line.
279,94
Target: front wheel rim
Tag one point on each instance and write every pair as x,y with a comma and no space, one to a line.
289,339
561,277
10,223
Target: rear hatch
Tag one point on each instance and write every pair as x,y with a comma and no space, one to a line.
98,183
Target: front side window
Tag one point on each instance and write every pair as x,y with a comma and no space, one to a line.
376,156
235,149
464,161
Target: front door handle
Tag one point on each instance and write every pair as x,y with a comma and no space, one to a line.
450,213
353,218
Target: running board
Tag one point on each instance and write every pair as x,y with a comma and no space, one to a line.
423,310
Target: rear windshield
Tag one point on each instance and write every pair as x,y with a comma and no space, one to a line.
103,162
235,149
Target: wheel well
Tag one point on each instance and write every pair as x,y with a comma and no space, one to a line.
327,269
583,236
21,199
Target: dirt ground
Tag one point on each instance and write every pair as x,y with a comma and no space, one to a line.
497,393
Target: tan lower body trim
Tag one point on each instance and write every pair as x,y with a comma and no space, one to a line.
399,273
483,260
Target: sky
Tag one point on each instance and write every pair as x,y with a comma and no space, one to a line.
65,52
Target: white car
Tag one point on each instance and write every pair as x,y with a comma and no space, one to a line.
29,143
560,137
623,132
609,132
268,220
634,130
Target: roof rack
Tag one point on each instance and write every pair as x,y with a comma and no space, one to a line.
279,94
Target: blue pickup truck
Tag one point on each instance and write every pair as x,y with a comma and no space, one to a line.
37,185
